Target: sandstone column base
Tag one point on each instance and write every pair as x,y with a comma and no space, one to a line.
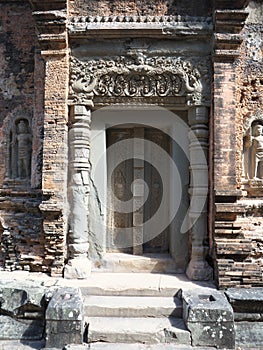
78,268
199,271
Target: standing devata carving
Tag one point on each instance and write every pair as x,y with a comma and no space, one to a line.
253,150
136,77
20,150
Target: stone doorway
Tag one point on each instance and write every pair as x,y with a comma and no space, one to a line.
154,144
138,182
89,184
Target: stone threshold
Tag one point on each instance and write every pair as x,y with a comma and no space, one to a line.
146,263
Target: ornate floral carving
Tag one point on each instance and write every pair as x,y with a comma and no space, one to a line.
137,76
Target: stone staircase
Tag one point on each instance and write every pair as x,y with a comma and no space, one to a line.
134,315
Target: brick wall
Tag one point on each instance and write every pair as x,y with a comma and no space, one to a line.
238,223
22,240
140,8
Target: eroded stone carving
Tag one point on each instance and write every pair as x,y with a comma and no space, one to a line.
20,150
253,147
137,76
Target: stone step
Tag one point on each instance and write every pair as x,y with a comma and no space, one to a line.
123,346
137,330
123,306
147,263
135,284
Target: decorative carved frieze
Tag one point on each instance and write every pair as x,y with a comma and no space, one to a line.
137,19
138,76
149,25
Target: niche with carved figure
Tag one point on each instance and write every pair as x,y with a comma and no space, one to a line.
253,148
20,150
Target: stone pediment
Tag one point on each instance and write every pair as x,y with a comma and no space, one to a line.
138,77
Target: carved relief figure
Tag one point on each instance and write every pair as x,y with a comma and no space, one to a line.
253,151
257,151
21,149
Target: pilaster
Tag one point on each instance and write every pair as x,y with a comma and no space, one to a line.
229,19
51,18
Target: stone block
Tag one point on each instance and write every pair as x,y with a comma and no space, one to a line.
248,308
249,335
20,329
64,318
13,299
22,310
77,347
209,318
246,300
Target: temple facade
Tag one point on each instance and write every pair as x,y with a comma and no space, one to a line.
132,138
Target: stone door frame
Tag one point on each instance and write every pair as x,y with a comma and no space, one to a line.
128,78
79,183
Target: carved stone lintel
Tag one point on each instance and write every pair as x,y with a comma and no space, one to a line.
137,76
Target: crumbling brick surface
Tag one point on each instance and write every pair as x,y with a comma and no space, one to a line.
249,83
239,248
22,238
17,38
140,8
224,126
22,241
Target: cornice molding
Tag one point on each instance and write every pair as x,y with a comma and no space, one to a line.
119,26
48,5
228,25
229,20
51,25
